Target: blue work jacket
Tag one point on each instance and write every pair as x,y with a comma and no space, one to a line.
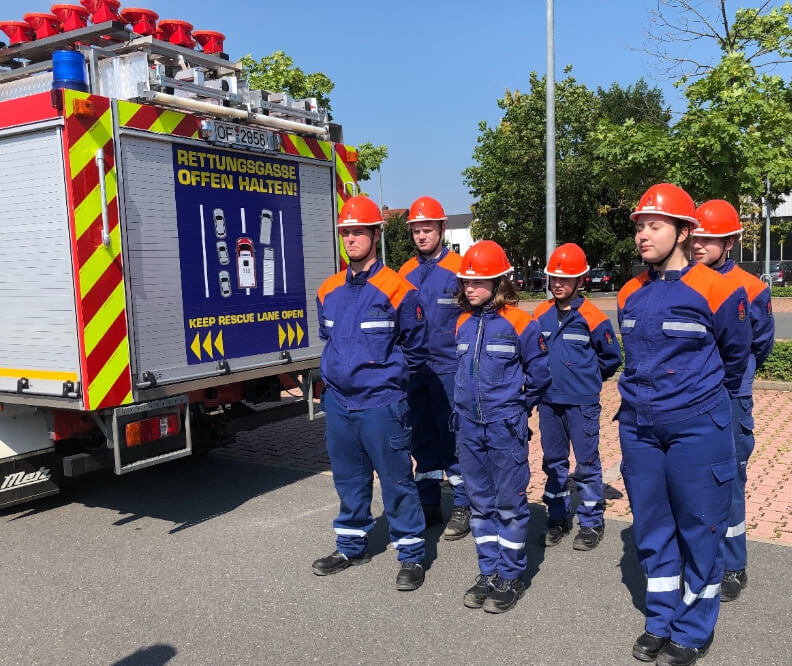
760,314
375,336
685,337
436,282
583,351
502,364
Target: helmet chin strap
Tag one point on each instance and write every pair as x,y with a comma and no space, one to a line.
668,256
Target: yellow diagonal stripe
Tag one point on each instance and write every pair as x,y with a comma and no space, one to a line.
167,122
326,147
302,147
91,207
98,262
343,171
107,376
126,110
104,318
84,149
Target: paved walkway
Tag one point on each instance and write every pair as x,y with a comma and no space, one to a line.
299,444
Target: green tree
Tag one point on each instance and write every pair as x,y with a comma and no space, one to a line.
399,246
370,158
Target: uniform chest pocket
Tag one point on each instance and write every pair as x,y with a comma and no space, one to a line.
627,325
378,328
501,360
577,344
675,328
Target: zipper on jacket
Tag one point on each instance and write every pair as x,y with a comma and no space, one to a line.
476,364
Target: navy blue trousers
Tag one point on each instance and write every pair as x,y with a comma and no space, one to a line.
558,425
494,460
360,442
742,427
431,400
679,481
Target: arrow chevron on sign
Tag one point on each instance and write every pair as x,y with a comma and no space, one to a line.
196,345
300,333
218,343
281,335
291,334
207,344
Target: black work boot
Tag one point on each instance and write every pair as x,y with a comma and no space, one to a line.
647,646
732,584
673,654
475,596
588,538
458,524
433,515
336,562
557,530
410,576
504,595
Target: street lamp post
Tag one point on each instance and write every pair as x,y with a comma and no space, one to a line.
550,191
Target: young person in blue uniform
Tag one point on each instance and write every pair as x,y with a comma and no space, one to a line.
502,374
375,335
433,272
583,351
686,344
719,228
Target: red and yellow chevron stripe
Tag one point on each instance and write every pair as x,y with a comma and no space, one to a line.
158,120
99,279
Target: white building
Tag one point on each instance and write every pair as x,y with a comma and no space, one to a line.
457,233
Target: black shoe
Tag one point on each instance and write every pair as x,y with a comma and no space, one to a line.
475,596
673,654
588,538
458,524
432,514
336,562
732,584
647,646
410,576
557,530
504,595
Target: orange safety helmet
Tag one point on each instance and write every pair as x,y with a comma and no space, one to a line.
717,219
359,211
485,260
667,199
567,260
426,209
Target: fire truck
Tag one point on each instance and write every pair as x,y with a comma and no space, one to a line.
163,231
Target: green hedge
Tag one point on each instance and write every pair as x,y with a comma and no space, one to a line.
780,292
778,365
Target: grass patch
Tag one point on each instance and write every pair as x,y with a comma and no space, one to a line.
778,366
781,292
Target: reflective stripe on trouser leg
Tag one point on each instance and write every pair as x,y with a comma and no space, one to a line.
583,424
442,406
494,460
735,551
352,476
555,459
386,437
428,465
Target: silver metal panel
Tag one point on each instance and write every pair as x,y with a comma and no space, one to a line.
38,326
153,263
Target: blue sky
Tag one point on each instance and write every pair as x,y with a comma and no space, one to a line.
419,76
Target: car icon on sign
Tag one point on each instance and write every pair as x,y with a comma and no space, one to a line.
219,222
225,283
265,235
222,253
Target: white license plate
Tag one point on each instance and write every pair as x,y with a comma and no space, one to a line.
596,279
238,135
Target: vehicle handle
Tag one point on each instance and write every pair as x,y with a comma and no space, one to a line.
767,279
100,165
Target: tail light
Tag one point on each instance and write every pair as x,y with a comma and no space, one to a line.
605,278
152,429
780,274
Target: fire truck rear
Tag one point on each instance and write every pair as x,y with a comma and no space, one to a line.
163,229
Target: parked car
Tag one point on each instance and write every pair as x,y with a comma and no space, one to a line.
601,279
539,281
780,273
519,281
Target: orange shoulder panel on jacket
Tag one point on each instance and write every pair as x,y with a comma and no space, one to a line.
462,319
393,285
516,317
543,307
451,262
713,286
631,287
331,284
592,314
410,265
753,285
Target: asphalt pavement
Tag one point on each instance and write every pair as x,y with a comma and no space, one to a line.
207,561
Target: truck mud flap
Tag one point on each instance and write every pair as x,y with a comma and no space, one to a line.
28,477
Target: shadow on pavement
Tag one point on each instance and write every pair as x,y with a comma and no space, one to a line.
156,655
632,575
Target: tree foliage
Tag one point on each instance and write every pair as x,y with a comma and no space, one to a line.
399,246
370,158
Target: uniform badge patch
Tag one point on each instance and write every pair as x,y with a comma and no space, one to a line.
741,310
419,313
542,343
608,338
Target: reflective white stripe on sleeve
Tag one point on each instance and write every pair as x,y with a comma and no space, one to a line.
433,474
684,326
662,584
565,493
547,334
406,541
627,323
506,349
736,530
455,480
511,544
489,538
591,503
445,301
329,323
709,592
382,323
463,346
576,336
343,531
